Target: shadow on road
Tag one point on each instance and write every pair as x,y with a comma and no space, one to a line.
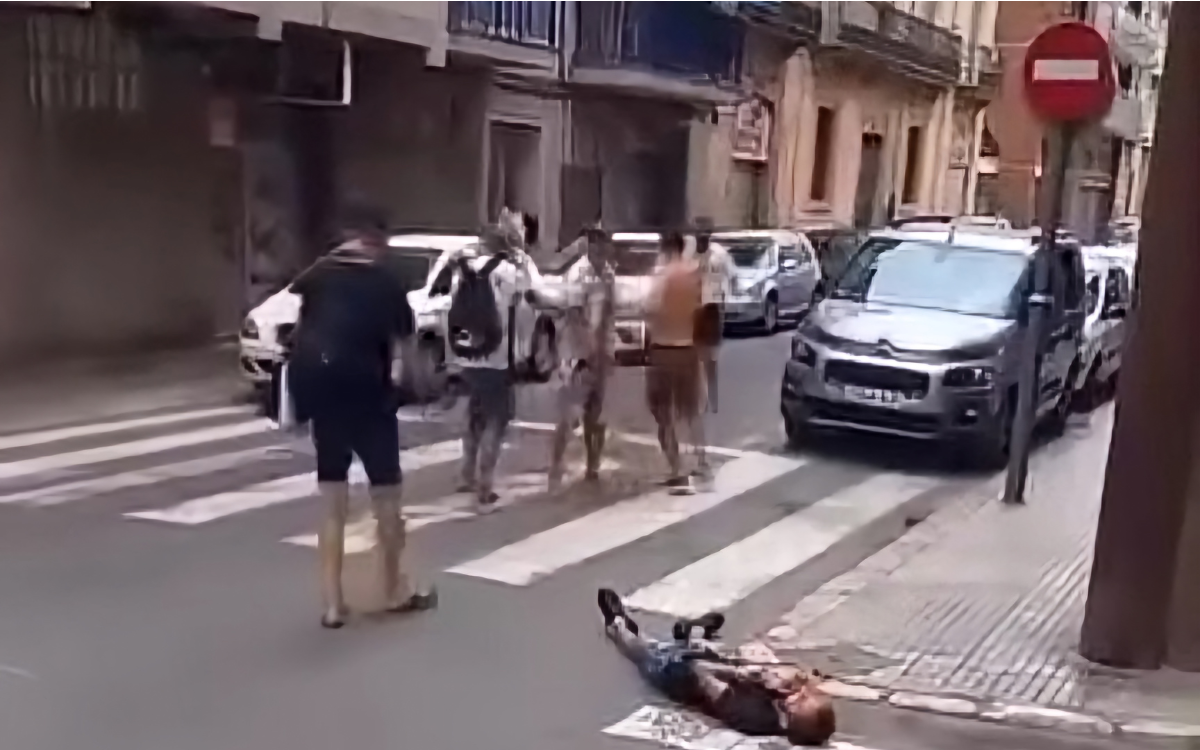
886,453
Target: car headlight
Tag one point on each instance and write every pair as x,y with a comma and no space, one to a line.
803,353
746,286
969,377
249,329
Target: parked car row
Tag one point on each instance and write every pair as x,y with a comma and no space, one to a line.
921,334
777,272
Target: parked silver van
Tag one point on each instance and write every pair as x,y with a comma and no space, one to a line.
920,338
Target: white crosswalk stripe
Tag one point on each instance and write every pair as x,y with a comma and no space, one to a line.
360,534
725,577
245,477
27,439
682,729
287,489
160,444
57,494
524,562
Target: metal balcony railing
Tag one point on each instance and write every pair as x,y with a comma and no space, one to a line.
913,44
532,23
903,28
687,39
801,21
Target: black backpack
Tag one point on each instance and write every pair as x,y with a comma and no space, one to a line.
474,323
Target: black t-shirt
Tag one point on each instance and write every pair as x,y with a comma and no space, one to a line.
748,707
351,312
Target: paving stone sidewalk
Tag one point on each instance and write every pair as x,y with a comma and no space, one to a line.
81,391
977,611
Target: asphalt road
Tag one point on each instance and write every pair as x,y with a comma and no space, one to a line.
158,591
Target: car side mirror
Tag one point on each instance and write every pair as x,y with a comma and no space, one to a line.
790,264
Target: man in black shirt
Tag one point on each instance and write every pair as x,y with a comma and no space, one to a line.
353,313
755,700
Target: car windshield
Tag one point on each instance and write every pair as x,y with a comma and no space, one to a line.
410,266
935,275
749,253
635,258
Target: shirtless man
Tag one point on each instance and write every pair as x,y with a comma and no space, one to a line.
757,701
673,379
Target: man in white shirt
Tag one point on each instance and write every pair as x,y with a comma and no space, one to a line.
718,273
487,370
585,352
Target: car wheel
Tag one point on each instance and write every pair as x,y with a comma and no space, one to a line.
1056,423
770,316
797,434
1091,395
989,452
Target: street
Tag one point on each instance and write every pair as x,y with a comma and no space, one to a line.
161,587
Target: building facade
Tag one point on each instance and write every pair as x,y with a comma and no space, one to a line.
1110,159
882,115
165,166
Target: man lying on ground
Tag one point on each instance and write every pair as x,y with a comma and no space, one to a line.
756,700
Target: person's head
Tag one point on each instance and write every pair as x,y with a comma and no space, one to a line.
366,223
494,240
599,245
671,245
808,716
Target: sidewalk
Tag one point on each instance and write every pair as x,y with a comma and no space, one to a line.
976,612
101,389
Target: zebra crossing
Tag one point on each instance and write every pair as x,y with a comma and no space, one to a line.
238,456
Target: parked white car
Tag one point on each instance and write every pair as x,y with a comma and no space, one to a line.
777,271
412,256
1110,279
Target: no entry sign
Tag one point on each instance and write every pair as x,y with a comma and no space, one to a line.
1069,74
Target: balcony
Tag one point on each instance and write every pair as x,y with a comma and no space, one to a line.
799,22
901,41
528,23
520,38
418,24
685,50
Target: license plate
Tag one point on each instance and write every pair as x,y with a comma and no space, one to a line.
882,396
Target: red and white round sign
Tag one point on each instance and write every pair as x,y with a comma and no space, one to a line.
1069,74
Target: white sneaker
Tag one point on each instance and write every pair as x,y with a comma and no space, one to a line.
487,506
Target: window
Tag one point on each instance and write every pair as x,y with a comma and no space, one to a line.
936,276
821,157
750,253
909,194
1116,288
1069,283
80,63
1093,294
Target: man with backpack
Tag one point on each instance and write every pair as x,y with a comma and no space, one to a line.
484,293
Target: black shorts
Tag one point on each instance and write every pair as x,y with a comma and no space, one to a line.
709,326
373,436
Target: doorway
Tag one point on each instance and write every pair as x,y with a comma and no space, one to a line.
514,174
868,179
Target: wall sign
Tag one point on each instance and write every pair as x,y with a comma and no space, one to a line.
752,131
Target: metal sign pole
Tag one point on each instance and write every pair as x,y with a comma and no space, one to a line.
1038,303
